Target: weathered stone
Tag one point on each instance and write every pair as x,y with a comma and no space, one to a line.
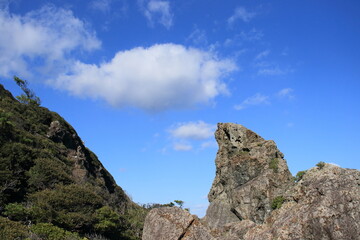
250,172
325,204
235,231
172,223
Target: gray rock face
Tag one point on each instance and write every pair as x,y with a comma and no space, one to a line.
325,204
172,223
251,173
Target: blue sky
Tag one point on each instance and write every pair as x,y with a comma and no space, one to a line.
144,82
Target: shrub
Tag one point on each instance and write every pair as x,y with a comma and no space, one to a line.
108,222
16,212
299,176
47,172
10,230
277,202
274,164
51,232
320,165
180,203
71,206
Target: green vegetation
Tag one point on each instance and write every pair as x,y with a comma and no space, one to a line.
48,190
10,230
320,165
29,97
274,164
299,176
277,202
16,212
49,231
179,203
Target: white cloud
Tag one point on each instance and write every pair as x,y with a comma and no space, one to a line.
158,11
252,35
48,35
208,144
193,130
198,37
262,55
182,147
286,93
242,14
161,77
274,71
257,99
101,5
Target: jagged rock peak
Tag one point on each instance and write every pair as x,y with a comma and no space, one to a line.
250,172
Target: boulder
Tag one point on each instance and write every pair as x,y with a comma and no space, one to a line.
173,223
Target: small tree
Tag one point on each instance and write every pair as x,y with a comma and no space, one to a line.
179,203
29,97
320,165
299,176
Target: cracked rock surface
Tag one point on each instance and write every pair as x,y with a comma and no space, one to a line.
172,223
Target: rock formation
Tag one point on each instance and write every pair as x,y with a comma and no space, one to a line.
250,172
254,196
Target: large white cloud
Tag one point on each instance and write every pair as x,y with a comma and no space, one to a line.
161,77
47,35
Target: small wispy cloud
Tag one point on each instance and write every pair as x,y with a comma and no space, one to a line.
262,55
257,99
208,144
158,11
199,130
274,71
101,5
286,93
187,134
252,35
241,13
182,147
198,37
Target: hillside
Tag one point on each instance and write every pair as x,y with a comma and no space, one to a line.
51,185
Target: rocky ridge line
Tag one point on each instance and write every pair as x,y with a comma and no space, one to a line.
254,197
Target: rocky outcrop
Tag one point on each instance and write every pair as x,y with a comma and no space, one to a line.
325,204
254,197
250,172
